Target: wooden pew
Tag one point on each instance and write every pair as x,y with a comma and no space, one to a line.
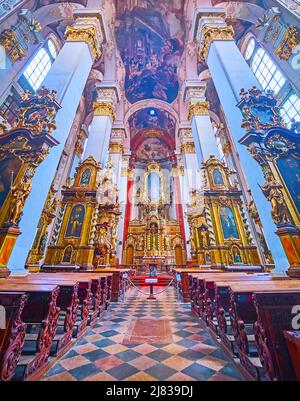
119,283
202,293
40,315
209,296
184,283
68,303
293,343
274,316
12,338
85,297
100,290
243,316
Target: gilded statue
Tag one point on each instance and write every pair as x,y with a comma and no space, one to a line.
19,195
273,192
140,243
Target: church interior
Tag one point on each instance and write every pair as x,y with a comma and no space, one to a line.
149,190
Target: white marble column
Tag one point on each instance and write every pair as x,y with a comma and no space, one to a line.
202,129
231,73
123,186
116,150
101,127
68,76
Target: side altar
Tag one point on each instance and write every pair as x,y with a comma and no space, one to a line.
85,230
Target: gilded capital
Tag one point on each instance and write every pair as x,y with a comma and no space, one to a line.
198,109
116,147
188,147
211,33
88,29
104,109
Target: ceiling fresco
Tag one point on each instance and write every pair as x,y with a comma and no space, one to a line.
152,118
153,149
150,39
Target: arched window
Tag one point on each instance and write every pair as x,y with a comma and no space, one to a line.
291,110
250,49
266,72
38,68
52,49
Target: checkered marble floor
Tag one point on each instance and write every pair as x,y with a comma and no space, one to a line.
102,356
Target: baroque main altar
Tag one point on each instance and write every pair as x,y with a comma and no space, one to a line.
154,237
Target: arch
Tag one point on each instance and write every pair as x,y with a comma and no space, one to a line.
243,11
145,104
57,12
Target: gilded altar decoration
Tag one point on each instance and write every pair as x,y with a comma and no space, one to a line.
19,194
38,111
85,232
220,235
211,33
273,192
79,145
289,42
259,110
277,151
154,237
22,149
17,39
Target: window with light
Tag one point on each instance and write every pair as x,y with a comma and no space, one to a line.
38,68
290,110
266,72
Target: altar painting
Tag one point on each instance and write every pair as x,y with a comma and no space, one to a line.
228,223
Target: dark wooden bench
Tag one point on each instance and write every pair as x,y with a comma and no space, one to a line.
293,343
184,284
274,316
40,314
100,290
68,303
243,317
12,337
85,297
119,283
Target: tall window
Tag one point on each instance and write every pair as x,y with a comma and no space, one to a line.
270,77
291,110
266,72
37,70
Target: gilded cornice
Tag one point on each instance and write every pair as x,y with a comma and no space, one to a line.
188,147
116,147
104,109
209,34
198,109
88,34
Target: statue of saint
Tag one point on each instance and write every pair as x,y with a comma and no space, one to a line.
273,192
19,195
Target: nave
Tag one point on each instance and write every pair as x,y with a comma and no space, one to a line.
110,351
